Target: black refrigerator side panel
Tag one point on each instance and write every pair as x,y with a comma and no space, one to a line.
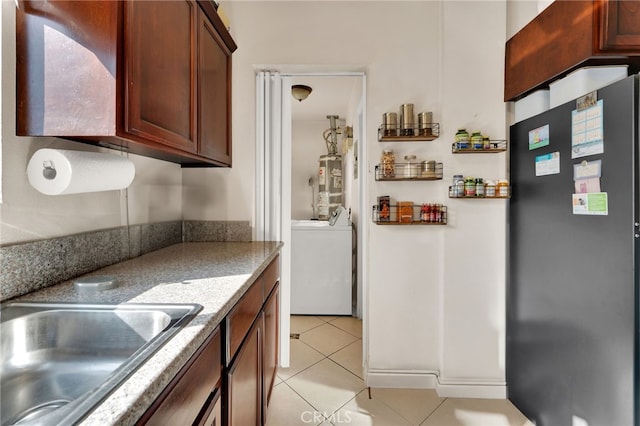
571,291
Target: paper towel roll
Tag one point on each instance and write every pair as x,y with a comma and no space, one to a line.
60,171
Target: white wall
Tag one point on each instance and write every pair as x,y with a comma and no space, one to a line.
436,294
155,194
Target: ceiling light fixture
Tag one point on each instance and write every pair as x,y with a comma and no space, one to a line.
300,92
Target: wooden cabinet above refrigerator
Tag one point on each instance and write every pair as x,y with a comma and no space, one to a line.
149,77
571,34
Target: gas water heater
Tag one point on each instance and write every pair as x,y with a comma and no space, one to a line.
330,174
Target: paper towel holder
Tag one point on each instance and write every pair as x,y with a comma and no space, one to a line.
49,170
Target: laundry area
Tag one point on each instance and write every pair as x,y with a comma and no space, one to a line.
324,197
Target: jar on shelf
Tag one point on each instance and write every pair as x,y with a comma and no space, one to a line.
502,188
486,142
411,167
462,139
469,187
425,213
476,140
479,187
388,161
490,189
458,186
436,215
405,211
390,123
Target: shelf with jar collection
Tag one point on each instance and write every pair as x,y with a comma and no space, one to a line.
471,188
422,133
425,170
468,187
485,146
408,213
476,143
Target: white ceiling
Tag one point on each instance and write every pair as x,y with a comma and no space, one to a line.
330,95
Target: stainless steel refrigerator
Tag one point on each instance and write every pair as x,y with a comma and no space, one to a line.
572,293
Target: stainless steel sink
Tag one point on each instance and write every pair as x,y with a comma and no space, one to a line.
58,361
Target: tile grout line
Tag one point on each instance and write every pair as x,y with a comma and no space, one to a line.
434,410
346,369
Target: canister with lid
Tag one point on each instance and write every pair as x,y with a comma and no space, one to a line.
411,167
390,123
406,119
424,123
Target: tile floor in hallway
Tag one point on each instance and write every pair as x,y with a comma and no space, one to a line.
324,385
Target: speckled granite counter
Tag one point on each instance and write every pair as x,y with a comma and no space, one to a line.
215,275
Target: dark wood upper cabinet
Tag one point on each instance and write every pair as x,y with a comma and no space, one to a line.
570,34
160,58
620,22
150,77
214,96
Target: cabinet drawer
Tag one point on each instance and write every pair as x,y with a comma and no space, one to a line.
271,276
183,399
239,320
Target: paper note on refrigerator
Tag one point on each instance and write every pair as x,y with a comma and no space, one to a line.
587,136
548,164
596,203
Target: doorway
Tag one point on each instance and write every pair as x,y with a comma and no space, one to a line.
277,187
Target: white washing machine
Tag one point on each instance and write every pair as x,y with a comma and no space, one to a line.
321,266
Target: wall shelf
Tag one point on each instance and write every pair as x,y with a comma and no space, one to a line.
410,214
482,197
418,135
407,171
495,146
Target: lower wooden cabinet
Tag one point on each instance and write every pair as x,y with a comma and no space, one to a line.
251,369
185,398
212,413
271,341
228,381
244,380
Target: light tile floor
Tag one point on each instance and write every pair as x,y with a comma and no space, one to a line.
324,385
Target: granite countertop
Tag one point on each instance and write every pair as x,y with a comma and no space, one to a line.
215,275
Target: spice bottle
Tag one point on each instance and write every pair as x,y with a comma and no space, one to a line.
476,140
502,189
479,187
425,213
462,139
486,142
490,189
469,187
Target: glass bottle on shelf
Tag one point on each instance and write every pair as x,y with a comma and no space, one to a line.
388,161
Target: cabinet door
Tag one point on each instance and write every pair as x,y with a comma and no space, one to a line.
620,26
214,94
213,413
183,399
244,380
160,61
271,326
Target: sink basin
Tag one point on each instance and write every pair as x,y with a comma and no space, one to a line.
58,361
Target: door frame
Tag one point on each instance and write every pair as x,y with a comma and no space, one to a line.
282,167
